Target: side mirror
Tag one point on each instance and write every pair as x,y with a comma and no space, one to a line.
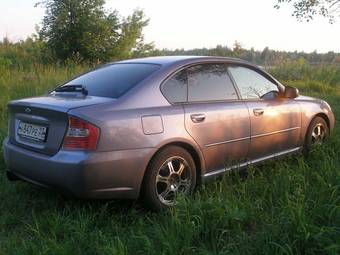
291,92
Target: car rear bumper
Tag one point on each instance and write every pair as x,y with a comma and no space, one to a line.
114,174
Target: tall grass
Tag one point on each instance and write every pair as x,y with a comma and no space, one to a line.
19,82
289,206
301,71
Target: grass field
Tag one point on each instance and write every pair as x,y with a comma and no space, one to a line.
289,206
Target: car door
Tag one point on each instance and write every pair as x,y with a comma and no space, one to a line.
275,121
215,117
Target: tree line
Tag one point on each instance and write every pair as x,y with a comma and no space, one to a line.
84,32
32,51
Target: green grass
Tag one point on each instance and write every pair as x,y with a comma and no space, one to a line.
289,206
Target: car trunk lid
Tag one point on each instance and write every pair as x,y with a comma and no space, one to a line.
40,123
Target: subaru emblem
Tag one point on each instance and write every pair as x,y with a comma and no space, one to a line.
28,110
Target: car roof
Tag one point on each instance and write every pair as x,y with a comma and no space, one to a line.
150,87
166,60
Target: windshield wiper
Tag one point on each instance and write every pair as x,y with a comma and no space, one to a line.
72,88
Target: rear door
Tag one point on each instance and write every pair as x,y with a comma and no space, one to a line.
275,121
215,117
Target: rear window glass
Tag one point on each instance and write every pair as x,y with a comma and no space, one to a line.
114,80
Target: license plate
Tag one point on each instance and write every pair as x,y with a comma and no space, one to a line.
32,131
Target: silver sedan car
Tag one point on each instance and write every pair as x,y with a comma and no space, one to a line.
155,127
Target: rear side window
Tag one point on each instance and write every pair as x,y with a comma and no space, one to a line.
251,84
114,80
175,89
210,82
200,83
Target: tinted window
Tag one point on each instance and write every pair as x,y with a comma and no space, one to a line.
209,82
250,83
175,89
114,80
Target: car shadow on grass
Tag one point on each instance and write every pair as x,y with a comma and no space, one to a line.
27,197
42,200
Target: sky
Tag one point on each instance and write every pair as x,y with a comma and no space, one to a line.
195,24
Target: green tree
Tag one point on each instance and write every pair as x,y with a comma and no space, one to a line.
307,9
83,30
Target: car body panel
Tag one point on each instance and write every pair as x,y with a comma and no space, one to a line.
60,103
311,107
275,126
114,174
224,134
117,126
49,111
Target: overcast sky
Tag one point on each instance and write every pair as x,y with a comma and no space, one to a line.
194,24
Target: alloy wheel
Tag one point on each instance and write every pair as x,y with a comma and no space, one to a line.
173,177
318,134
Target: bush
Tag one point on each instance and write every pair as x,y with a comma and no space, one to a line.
301,71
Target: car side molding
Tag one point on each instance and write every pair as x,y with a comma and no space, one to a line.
216,173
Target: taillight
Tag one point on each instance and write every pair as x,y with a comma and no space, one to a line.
80,135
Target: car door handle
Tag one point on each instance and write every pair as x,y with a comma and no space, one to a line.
258,112
196,118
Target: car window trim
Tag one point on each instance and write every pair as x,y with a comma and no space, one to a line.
211,101
234,84
101,67
169,77
260,72
185,67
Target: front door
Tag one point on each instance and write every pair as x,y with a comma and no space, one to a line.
275,121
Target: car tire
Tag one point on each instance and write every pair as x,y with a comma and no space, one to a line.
317,132
170,172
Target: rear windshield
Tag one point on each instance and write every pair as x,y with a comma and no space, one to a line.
113,80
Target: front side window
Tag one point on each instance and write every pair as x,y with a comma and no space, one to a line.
251,84
210,82
114,80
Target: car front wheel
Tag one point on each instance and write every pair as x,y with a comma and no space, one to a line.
317,132
171,172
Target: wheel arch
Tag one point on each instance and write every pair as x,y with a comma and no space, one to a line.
324,116
321,115
195,154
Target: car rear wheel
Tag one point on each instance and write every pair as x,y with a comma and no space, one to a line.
171,172
317,133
